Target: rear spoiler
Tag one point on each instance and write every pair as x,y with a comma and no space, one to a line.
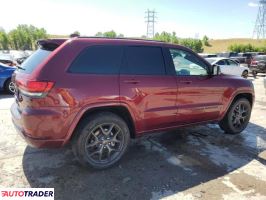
50,44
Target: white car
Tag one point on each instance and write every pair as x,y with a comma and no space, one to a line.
229,66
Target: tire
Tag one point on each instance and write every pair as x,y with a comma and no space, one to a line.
245,74
101,140
9,87
237,117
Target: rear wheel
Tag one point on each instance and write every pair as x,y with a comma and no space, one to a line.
245,74
237,117
101,140
10,87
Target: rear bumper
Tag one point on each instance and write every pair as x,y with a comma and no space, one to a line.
36,137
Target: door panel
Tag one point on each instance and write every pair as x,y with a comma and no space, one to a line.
199,99
199,96
146,89
152,98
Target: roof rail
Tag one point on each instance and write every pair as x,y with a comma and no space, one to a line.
123,38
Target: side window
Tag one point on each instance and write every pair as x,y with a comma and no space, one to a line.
232,63
187,64
98,60
221,62
141,60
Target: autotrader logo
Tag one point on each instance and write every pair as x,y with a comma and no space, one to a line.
27,193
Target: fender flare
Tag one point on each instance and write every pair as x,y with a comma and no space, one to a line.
86,108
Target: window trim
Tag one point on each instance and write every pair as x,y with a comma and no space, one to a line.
207,65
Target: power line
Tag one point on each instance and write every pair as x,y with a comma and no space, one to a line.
260,25
150,17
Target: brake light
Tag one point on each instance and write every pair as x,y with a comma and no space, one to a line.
254,62
34,88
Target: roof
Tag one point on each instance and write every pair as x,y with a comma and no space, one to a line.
125,41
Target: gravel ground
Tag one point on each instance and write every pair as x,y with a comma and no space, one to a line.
190,163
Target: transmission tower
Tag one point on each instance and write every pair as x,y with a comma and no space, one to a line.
260,26
150,16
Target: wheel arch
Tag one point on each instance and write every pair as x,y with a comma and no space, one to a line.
119,110
5,82
247,95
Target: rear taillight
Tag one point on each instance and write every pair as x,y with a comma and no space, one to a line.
254,62
35,89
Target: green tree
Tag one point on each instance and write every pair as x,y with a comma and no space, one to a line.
110,34
4,41
246,48
99,34
164,37
205,41
25,37
194,44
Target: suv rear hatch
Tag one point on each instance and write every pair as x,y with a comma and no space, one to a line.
27,85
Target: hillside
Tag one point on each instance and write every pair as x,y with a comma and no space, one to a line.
222,45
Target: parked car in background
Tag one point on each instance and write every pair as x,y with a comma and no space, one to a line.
7,59
234,56
227,54
248,58
207,55
229,66
97,93
258,64
6,83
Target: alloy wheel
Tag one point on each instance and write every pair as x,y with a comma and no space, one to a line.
11,87
240,115
104,143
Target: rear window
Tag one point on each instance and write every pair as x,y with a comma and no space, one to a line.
98,60
34,60
143,61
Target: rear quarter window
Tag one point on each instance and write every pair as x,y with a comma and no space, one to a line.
34,60
98,60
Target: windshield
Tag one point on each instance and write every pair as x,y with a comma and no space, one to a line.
34,60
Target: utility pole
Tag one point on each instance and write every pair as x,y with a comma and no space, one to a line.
150,16
260,26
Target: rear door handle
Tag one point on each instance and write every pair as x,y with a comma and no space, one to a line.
133,81
186,82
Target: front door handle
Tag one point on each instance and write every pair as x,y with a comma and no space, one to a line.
132,81
186,82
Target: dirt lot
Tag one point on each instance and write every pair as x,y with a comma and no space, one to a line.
190,163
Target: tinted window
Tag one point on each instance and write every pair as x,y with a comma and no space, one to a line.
143,61
98,60
34,60
187,64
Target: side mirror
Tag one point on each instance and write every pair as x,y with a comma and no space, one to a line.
216,70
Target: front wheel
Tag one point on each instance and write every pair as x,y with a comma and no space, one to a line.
101,140
237,117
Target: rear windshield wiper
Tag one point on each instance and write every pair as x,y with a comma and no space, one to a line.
21,68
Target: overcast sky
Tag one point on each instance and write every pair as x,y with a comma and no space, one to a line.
214,18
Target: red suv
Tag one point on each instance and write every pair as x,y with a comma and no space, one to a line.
97,93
